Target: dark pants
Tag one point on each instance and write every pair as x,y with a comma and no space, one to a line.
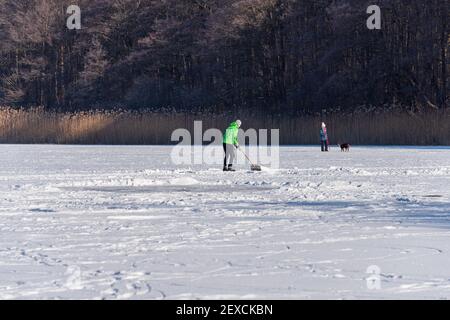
230,155
324,145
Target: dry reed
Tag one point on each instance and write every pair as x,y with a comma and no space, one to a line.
39,126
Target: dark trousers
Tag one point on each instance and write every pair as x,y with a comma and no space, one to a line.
230,155
324,145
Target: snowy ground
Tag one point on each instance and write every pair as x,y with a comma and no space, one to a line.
123,222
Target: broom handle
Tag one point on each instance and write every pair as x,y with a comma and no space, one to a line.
246,156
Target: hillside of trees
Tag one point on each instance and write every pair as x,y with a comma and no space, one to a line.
287,56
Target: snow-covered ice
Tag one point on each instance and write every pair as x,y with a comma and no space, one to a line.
113,222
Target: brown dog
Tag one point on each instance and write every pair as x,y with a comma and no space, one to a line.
345,147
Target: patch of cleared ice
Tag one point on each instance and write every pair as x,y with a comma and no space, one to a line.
184,181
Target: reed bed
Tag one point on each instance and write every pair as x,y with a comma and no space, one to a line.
40,126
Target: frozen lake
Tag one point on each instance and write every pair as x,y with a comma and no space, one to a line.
112,222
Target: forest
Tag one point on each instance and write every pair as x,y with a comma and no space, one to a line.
268,56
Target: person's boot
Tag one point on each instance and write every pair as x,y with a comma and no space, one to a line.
225,168
230,168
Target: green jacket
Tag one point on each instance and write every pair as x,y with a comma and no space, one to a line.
231,134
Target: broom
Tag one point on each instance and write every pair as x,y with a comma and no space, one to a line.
253,167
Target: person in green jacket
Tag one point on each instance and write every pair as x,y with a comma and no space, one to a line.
230,144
